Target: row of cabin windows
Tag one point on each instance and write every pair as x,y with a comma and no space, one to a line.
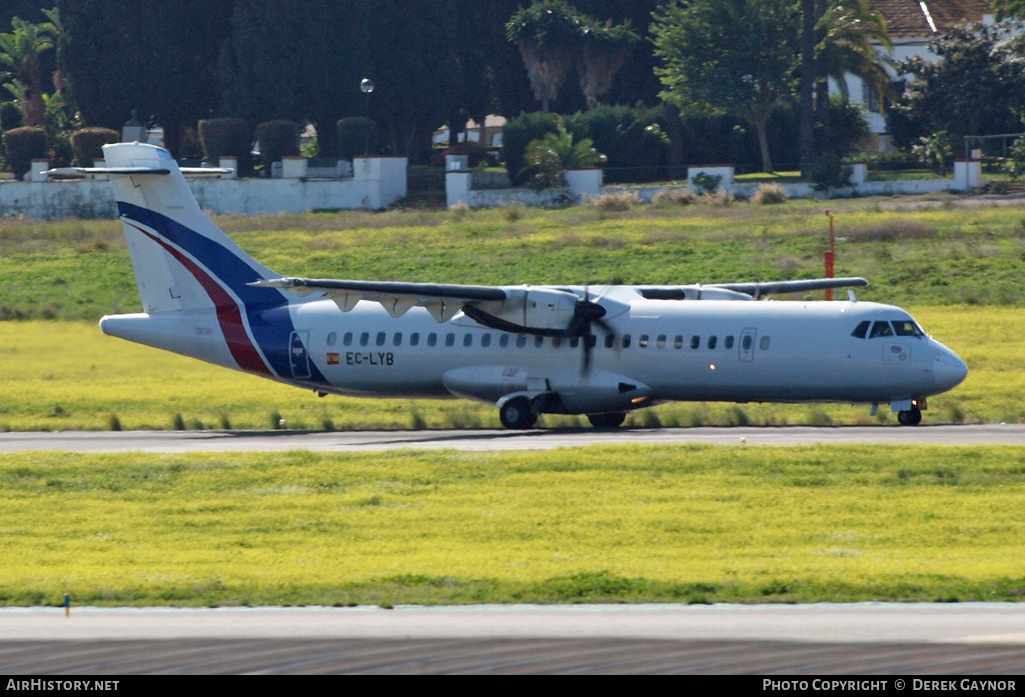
643,341
880,329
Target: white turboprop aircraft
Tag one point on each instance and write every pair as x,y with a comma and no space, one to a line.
528,350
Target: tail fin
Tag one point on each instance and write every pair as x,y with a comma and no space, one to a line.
182,260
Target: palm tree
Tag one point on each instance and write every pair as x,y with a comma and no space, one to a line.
20,50
603,52
548,158
854,31
548,36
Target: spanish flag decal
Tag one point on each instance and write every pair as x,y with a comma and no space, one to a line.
332,359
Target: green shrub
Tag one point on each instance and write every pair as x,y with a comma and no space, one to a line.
518,133
277,139
356,136
21,146
632,137
87,144
225,138
10,116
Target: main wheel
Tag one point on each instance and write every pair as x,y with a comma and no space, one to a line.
911,417
517,414
613,419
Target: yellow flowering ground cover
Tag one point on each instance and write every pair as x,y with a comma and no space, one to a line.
611,523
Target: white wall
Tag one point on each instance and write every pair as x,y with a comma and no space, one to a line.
377,183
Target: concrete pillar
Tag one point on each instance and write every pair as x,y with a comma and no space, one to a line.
293,167
967,175
229,163
585,181
457,188
456,162
724,172
38,169
859,174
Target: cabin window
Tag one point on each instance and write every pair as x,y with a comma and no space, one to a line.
712,341
364,338
381,338
432,339
643,341
695,342
678,341
503,340
763,343
397,339
861,331
592,341
485,340
468,340
521,340
745,344
450,340
728,343
574,342
906,328
610,340
626,341
539,341
332,338
881,329
414,339
661,341
347,339
556,341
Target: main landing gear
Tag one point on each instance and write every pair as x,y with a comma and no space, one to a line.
517,414
911,417
610,420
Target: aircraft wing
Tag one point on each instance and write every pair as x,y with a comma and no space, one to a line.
745,291
442,300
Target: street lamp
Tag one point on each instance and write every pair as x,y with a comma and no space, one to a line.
366,86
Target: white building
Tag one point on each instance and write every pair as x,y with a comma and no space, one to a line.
911,25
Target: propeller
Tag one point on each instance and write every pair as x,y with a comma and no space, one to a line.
587,313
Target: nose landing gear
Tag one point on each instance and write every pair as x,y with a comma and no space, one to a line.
910,417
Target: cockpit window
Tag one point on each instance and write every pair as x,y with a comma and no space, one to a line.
907,328
861,331
881,329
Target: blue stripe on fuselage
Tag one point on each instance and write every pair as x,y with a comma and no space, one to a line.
270,322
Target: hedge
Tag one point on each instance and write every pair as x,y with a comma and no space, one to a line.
87,144
21,146
225,138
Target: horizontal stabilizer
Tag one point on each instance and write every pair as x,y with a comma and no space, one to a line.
82,171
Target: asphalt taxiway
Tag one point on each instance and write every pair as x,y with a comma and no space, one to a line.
484,439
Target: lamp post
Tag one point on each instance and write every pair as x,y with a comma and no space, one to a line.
366,86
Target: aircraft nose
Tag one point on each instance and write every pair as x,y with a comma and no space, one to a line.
949,370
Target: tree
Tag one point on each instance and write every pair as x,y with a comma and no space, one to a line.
1009,8
21,51
976,88
602,53
548,36
728,56
853,30
150,55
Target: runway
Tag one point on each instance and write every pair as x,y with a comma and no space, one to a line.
821,639
482,439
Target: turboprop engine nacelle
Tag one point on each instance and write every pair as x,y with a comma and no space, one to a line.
536,308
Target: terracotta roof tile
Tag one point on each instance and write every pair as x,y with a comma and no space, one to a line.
906,17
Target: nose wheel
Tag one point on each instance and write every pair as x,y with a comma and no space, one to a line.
911,417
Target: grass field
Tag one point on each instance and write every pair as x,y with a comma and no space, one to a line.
610,524
914,251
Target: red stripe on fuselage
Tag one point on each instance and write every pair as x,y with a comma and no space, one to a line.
229,315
